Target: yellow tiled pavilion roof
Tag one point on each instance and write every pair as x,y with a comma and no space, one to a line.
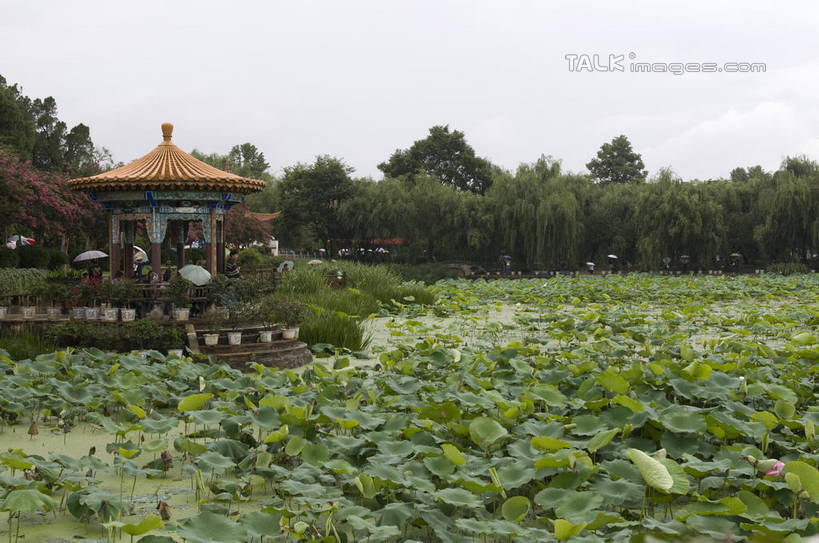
167,168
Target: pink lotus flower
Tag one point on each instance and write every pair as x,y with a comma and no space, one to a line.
776,469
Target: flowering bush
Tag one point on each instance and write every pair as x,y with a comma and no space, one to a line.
42,203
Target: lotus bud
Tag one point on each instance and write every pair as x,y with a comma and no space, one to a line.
751,460
766,465
776,470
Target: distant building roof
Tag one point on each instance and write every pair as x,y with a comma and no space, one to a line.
167,168
264,217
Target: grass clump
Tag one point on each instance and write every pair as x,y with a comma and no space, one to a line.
335,328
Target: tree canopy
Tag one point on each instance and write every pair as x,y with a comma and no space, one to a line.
445,155
616,162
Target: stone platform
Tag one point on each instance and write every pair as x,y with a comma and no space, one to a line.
279,353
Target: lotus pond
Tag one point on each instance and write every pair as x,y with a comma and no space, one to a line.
615,408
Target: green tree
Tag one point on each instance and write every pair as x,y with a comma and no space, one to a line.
245,160
617,162
445,155
16,124
310,196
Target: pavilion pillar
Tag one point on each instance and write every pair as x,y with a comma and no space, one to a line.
211,243
220,246
128,228
113,245
156,259
181,234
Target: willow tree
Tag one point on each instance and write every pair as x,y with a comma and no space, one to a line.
789,212
537,214
677,218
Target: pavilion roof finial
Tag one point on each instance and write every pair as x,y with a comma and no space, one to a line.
167,131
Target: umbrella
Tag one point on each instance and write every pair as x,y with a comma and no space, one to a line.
507,257
90,255
195,274
287,265
735,255
590,264
22,240
11,245
314,262
612,256
140,256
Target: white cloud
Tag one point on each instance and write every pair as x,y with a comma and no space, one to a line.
763,134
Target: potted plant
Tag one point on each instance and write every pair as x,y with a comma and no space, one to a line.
125,290
292,315
178,291
239,314
51,293
77,298
216,290
269,315
211,321
106,289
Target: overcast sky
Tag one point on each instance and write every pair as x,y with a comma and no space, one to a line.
358,79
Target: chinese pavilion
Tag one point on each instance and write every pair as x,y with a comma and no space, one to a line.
165,190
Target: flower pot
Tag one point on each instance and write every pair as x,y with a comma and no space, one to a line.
290,333
54,313
235,338
175,352
266,336
109,314
3,312
181,313
127,314
92,313
211,339
29,311
78,313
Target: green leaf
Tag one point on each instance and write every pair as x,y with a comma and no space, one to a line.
278,435
276,402
27,499
137,410
784,409
193,402
453,454
151,522
612,382
601,439
208,527
459,497
681,483
314,453
767,418
295,445
808,476
803,339
365,485
630,403
485,431
566,530
546,443
439,465
516,508
654,473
